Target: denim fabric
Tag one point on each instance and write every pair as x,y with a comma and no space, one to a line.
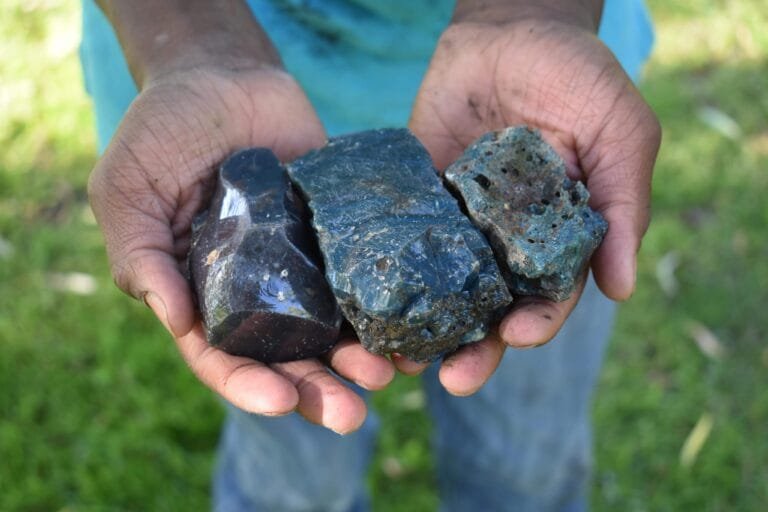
285,463
523,442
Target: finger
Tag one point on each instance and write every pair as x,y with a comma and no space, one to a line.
140,247
619,166
153,277
466,370
369,371
322,398
244,382
615,261
407,366
535,320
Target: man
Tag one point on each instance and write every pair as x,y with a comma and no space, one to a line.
211,81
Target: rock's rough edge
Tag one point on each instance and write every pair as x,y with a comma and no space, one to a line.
530,183
380,330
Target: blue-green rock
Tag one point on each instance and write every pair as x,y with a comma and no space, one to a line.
255,266
409,270
515,189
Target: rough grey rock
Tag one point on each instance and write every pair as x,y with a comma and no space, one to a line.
410,271
255,266
515,189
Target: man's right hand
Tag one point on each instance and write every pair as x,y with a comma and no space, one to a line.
157,173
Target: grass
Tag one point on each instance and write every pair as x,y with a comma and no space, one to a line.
97,412
710,211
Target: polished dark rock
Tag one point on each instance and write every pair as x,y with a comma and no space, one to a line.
410,271
515,189
255,266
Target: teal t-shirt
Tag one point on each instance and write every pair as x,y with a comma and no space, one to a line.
360,61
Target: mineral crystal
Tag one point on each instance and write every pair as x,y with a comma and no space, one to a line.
410,272
255,266
515,189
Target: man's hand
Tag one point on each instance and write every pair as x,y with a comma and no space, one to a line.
499,66
158,172
211,83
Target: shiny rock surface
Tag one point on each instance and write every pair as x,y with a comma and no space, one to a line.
255,266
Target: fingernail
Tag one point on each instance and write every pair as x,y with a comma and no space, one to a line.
273,414
346,431
632,278
530,346
156,304
634,271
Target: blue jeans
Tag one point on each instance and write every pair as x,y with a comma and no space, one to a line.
523,441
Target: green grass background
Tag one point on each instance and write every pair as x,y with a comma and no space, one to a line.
97,411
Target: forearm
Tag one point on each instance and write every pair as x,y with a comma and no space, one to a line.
585,13
159,37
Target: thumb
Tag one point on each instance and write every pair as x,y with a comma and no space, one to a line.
618,168
152,276
140,248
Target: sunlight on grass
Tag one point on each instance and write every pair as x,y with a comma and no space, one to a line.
709,208
711,31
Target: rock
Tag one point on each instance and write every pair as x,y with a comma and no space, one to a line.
515,189
255,266
410,271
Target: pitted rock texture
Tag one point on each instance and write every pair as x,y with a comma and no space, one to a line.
410,271
256,269
515,189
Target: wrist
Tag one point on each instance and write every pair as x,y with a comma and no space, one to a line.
161,38
584,14
202,61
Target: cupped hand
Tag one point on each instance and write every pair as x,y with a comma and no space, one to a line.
557,77
157,173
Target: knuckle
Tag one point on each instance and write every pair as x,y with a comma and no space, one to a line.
648,124
317,380
628,220
656,133
227,379
95,184
125,273
204,365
